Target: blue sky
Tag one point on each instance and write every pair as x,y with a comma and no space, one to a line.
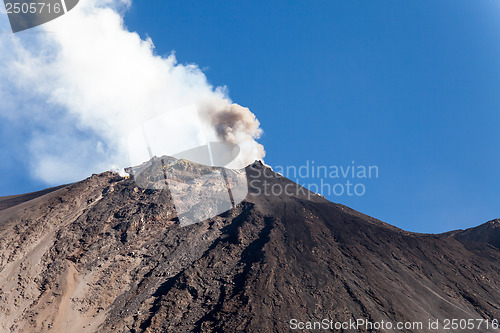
411,87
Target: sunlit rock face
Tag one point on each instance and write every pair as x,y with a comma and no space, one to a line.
109,254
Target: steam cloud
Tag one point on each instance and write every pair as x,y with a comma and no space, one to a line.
88,81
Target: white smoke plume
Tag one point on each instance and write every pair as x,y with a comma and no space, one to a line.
85,81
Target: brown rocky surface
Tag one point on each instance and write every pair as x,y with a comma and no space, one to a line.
104,255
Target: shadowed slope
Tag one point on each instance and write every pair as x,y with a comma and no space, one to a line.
103,255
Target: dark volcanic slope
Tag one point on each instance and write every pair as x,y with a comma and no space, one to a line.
13,200
103,255
487,233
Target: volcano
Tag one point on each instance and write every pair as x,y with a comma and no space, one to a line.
105,255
